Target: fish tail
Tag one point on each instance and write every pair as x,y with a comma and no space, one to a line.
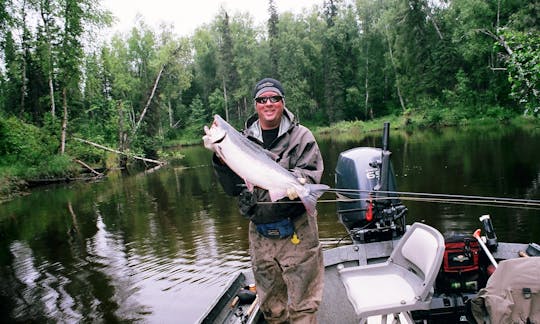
310,200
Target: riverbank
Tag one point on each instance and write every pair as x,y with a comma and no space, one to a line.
409,121
13,186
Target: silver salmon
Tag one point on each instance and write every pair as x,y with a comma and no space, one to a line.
257,166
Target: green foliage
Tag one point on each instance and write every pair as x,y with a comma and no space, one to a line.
24,143
30,152
461,96
55,166
87,153
197,119
499,113
216,103
524,69
343,61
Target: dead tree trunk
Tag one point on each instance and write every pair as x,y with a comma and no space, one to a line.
225,98
367,110
500,39
122,137
64,121
46,24
98,174
148,102
401,101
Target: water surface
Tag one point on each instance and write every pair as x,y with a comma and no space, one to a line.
158,247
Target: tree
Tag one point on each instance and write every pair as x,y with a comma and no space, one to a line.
343,60
273,39
205,62
298,56
332,78
70,59
249,51
48,31
175,55
227,68
522,34
523,68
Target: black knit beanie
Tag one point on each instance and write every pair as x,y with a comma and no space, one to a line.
268,84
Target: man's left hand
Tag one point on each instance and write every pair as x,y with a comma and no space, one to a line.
292,193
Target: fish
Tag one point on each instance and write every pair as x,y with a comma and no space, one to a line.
257,166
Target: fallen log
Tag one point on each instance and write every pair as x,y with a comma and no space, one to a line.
98,174
119,152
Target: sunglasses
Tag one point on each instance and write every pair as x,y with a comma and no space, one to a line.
273,99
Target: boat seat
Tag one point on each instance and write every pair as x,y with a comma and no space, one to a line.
401,284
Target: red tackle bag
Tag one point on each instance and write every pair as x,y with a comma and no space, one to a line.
460,270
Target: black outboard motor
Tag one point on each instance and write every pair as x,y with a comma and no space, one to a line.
364,176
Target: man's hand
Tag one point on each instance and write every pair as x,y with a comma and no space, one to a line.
246,203
207,140
291,192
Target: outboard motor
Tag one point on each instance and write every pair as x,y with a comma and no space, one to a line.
368,206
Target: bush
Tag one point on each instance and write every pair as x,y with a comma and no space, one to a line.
23,143
55,166
29,152
499,113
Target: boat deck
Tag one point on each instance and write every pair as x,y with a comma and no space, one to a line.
335,306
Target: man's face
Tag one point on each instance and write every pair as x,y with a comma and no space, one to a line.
269,106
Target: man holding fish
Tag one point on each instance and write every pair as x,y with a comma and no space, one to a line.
274,168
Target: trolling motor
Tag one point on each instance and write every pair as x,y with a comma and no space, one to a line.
367,205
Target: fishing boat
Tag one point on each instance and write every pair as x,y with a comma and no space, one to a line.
391,270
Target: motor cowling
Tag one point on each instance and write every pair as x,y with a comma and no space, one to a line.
368,211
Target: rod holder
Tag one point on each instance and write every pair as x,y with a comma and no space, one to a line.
491,238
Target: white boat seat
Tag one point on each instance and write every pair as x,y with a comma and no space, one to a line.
402,283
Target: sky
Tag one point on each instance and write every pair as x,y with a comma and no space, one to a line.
186,16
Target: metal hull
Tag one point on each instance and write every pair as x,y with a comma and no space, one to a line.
335,306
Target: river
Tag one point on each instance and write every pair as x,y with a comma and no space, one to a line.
158,247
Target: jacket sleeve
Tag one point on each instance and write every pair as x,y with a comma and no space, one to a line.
307,161
232,184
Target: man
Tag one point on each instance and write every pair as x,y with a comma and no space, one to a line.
284,242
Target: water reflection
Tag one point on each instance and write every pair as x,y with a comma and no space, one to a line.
159,247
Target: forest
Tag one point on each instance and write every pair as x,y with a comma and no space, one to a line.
70,94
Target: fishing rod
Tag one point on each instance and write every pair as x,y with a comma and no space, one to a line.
484,203
429,197
423,197
440,201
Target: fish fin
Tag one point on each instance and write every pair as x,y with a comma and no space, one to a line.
276,195
249,185
310,200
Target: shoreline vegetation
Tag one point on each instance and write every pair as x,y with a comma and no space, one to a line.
12,186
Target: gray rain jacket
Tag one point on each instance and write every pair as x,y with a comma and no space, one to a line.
511,295
296,150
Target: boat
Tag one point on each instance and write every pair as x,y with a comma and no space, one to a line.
370,208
